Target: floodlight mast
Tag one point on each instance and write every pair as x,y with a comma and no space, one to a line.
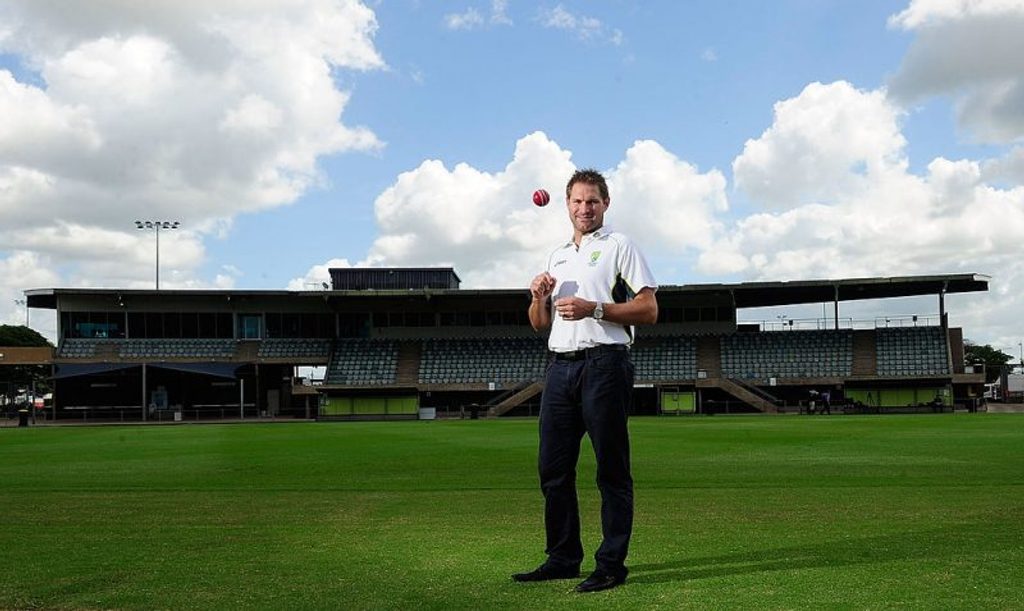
24,302
156,226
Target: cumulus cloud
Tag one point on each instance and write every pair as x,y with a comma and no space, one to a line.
20,270
667,201
584,27
972,51
862,212
184,110
1009,168
486,226
930,12
318,275
828,141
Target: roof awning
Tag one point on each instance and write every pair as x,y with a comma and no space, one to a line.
71,370
220,370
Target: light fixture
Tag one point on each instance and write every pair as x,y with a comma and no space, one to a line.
156,226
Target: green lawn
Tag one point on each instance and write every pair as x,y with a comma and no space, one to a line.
918,512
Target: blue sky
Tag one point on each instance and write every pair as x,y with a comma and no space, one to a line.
743,140
701,80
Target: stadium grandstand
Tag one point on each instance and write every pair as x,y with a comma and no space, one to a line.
405,342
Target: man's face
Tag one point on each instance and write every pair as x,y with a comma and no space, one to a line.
586,208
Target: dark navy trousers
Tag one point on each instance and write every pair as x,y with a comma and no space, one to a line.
590,395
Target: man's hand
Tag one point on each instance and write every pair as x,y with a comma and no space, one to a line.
574,308
641,310
540,289
542,286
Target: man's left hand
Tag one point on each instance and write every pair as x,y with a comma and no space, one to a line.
574,308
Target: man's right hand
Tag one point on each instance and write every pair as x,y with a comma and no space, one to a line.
542,286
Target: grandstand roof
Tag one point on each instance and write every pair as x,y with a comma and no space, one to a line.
758,294
745,294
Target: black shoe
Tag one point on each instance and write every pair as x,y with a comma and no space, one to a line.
599,580
546,572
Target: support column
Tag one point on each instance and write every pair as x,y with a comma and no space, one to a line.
942,306
53,391
835,304
145,407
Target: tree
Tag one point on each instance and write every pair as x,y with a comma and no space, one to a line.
21,337
12,377
993,359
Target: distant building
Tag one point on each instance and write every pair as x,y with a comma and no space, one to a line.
392,341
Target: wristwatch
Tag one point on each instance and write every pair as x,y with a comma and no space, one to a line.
599,311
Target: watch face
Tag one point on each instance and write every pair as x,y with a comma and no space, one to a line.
599,311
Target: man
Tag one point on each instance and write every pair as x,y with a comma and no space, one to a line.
584,297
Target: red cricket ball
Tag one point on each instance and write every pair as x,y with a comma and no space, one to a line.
541,197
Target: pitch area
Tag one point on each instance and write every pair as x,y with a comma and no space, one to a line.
732,512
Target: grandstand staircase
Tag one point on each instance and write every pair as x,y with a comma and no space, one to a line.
709,360
519,395
709,355
108,352
751,395
247,350
865,354
408,371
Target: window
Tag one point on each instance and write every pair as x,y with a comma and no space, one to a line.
137,324
190,325
354,324
93,324
172,325
225,326
154,324
274,328
207,325
670,315
249,326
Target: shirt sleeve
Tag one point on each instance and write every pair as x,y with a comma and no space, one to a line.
633,268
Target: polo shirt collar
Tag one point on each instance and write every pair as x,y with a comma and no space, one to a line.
600,232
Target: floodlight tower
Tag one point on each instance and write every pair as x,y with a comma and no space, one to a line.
23,302
156,226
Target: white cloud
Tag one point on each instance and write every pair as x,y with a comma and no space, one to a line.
477,220
468,20
584,27
486,226
1008,168
21,270
827,141
184,110
972,51
865,214
499,12
667,203
931,12
318,275
471,18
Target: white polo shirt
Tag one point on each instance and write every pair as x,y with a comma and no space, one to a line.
607,267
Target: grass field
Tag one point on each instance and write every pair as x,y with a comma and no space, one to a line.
918,512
